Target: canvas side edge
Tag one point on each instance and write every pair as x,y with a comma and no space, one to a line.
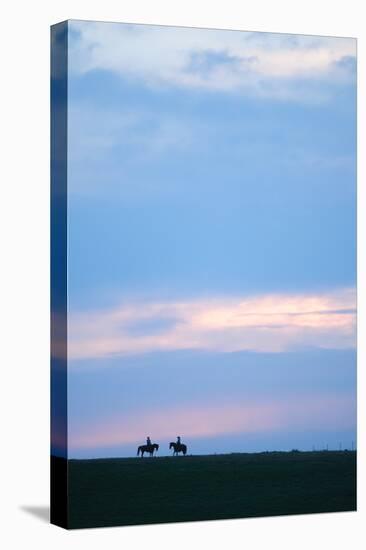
58,256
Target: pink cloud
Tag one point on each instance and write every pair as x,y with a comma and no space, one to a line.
214,420
263,323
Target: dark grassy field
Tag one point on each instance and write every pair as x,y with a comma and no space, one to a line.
154,490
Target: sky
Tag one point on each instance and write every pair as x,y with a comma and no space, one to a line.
211,240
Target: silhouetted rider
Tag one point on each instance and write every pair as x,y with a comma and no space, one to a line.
148,441
178,440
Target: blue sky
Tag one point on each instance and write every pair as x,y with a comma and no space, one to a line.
212,191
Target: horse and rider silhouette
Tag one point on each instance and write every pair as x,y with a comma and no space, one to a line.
149,448
178,447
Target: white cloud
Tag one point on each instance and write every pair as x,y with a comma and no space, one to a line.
263,323
261,64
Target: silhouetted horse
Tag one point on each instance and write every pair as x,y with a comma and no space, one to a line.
178,448
147,449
